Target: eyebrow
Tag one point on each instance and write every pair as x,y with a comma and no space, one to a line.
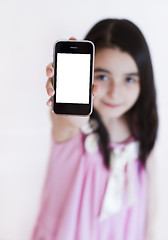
101,70
107,71
132,74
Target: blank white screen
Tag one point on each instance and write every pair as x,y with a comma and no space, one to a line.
73,75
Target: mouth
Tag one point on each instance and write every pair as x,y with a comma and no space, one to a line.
111,105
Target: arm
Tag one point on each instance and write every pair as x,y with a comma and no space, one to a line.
152,196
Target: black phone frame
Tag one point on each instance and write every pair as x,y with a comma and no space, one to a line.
74,47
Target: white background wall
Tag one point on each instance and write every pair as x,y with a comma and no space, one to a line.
28,30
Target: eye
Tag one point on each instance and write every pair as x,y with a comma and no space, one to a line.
101,77
129,80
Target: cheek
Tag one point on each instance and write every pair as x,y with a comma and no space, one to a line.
101,91
96,101
98,98
133,95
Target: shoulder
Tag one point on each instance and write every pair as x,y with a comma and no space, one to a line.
153,187
151,161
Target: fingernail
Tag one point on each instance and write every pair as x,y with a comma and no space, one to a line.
50,91
49,103
49,70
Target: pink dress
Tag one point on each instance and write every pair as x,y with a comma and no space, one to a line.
73,195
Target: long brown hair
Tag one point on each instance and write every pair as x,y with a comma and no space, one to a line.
143,115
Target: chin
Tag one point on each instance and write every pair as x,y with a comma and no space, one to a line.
113,114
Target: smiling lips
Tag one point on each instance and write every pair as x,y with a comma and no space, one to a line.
111,105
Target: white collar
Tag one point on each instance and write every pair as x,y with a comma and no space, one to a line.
113,197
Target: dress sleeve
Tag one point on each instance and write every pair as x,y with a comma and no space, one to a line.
60,153
63,161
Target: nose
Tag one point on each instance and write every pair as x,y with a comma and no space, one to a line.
113,90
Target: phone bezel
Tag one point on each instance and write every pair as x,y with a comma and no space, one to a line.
74,47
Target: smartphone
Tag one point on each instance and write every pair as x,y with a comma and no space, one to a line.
73,77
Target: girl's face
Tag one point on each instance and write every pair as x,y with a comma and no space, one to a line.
117,77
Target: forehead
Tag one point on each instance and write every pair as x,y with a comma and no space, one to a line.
115,60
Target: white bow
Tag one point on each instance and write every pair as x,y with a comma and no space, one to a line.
112,202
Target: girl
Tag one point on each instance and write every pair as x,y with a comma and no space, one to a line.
96,183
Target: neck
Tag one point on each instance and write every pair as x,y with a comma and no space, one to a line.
118,129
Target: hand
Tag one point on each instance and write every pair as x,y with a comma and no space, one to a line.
49,84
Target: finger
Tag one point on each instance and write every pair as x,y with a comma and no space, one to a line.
50,102
72,38
49,87
50,70
95,89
